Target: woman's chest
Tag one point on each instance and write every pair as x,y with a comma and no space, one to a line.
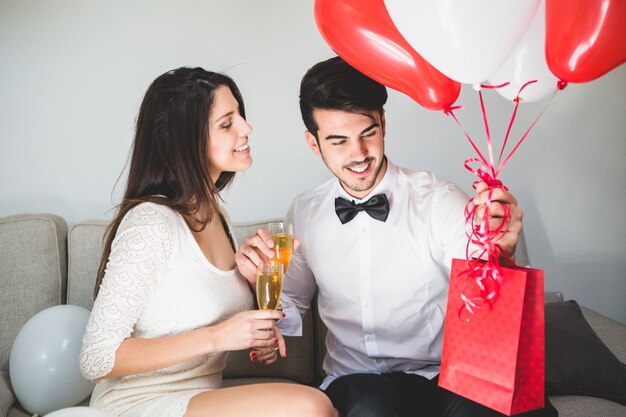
190,294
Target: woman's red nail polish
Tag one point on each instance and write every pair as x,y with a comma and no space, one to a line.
252,354
275,340
283,314
253,358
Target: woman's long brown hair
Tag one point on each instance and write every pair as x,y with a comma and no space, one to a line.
169,164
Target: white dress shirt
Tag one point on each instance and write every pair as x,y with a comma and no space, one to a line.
382,286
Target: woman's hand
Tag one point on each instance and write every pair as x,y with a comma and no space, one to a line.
267,356
255,249
501,201
254,328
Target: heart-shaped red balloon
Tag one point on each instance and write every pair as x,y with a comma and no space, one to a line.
363,34
585,39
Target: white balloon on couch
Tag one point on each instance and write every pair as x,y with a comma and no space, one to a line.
44,361
80,412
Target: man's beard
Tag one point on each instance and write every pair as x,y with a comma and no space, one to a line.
358,186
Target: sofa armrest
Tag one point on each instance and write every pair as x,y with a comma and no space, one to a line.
7,397
33,272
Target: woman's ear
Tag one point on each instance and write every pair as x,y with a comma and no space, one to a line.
311,140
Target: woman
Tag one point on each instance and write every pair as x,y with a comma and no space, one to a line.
169,300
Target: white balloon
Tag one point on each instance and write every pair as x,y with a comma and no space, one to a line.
80,412
466,40
528,63
44,361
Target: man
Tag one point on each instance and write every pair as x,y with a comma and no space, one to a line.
381,276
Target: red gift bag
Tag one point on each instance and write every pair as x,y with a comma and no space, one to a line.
495,355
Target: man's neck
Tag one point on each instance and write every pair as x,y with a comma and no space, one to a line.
360,195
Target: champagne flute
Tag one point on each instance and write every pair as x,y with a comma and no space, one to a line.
269,288
282,235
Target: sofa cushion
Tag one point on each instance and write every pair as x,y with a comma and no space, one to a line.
612,332
297,366
7,397
33,265
241,230
552,297
18,411
577,361
85,244
581,406
235,382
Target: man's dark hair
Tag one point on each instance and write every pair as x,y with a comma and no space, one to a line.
335,85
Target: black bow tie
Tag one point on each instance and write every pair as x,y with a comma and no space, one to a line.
377,207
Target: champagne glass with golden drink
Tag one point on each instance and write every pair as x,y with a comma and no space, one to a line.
269,288
282,235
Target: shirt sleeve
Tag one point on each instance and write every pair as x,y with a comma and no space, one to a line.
299,286
139,252
449,221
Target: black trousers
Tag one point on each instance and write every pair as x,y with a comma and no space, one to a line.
407,395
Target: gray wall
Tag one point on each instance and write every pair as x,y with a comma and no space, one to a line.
72,74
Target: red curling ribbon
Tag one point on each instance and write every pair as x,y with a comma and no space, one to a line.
479,286
447,110
495,86
480,283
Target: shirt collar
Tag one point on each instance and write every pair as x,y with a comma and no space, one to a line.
386,185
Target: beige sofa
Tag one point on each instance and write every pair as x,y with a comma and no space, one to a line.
43,263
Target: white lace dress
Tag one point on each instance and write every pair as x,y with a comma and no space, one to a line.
157,283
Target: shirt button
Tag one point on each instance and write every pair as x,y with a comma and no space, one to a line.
369,338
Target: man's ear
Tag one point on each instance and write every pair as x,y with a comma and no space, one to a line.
311,140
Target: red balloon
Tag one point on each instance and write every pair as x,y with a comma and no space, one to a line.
363,34
585,39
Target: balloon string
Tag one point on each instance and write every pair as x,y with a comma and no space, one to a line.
497,169
485,276
501,167
487,134
508,131
449,111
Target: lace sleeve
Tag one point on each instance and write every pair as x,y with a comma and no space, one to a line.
139,252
